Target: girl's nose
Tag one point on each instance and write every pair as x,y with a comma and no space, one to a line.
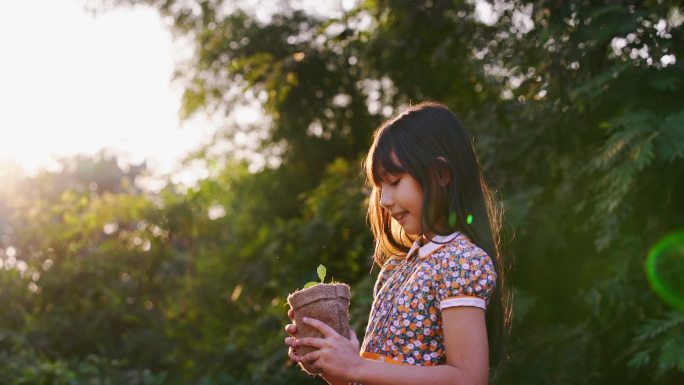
386,200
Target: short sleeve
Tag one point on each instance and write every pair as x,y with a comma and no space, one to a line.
465,277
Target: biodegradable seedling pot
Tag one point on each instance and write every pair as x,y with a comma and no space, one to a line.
327,302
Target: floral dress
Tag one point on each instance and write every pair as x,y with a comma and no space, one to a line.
405,322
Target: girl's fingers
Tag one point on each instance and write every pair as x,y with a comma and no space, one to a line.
310,341
293,356
311,357
291,341
322,327
291,329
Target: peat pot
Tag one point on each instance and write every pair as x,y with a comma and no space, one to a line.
327,302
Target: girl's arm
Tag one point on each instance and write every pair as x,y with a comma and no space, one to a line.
465,339
335,381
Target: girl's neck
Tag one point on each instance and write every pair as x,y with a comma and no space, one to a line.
424,239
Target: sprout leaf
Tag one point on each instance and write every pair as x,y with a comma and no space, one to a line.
321,272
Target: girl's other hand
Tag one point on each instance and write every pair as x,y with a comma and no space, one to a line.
291,341
291,328
337,356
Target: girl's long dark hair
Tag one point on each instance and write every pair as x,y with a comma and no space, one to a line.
427,141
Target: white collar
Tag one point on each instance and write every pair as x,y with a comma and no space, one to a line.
437,242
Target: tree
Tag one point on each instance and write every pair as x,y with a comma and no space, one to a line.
574,107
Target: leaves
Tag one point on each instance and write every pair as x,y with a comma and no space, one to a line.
660,340
320,270
581,137
670,142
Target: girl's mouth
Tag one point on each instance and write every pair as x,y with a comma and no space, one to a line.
399,217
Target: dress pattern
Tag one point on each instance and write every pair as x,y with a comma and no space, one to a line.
405,322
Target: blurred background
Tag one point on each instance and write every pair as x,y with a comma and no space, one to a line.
171,169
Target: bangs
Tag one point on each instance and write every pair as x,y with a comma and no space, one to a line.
382,162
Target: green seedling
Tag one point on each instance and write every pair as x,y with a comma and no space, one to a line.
320,270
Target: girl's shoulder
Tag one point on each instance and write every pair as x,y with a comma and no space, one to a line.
461,247
459,254
462,270
391,263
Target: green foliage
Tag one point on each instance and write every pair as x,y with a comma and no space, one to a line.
660,341
577,122
320,271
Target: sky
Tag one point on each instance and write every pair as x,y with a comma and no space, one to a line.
75,83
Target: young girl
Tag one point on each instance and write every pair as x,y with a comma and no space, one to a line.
440,308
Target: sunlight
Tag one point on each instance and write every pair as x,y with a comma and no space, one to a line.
78,84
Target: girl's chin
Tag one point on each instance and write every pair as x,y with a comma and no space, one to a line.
412,232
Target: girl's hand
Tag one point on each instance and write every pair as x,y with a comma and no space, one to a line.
337,356
291,341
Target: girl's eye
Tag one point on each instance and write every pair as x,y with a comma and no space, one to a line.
395,182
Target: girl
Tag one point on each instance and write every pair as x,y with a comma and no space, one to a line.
440,307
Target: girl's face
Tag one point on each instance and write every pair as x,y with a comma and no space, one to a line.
402,196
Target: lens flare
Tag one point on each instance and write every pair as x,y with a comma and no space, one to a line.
452,219
469,219
665,269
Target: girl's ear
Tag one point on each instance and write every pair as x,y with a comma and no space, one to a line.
443,171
